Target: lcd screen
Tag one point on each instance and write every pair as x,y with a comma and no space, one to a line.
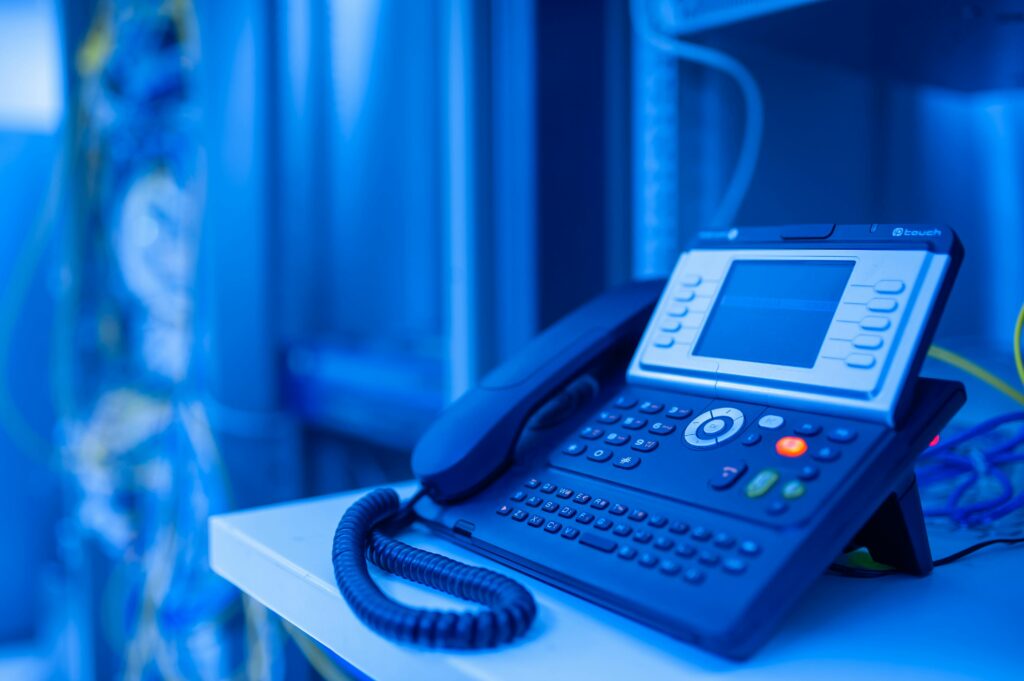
774,312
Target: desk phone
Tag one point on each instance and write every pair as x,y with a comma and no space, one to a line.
690,454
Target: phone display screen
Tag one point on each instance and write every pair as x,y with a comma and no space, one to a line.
774,312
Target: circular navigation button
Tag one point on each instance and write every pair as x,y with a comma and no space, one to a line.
714,426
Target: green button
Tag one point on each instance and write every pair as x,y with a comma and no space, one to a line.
761,483
794,489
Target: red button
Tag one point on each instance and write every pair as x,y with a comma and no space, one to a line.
791,446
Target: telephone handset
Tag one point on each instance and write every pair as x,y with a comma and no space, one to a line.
690,454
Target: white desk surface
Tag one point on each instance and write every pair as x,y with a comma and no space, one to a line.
966,621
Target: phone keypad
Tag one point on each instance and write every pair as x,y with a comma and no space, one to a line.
669,547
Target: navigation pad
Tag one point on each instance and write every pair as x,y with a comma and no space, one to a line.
713,427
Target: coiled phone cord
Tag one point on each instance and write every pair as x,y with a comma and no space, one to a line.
509,608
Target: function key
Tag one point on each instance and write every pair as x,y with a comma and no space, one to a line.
548,487
608,417
771,421
600,455
889,286
777,507
532,483
882,305
750,548
790,446
647,560
867,342
616,439
634,422
534,502
728,475
734,566
504,509
669,568
762,483
690,280
650,407
679,528
701,533
535,521
686,551
602,524
638,515
693,576
708,558
660,428
671,325
550,506
723,540
581,498
658,521
678,412
585,518
664,544
519,495
682,297
874,323
596,541
626,461
642,445
842,435
570,533
751,438
627,553
827,454
807,428
519,515
574,449
622,530
858,360
567,511
643,537
600,504
552,526
618,509
625,402
564,493
808,473
589,433
794,489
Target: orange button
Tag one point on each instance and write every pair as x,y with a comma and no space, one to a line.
791,446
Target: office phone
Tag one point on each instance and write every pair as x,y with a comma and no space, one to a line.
690,454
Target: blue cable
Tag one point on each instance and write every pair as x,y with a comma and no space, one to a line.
509,608
941,464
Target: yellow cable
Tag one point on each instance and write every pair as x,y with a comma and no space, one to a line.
1016,344
967,366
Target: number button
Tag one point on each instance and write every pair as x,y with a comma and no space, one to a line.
642,445
660,428
616,439
678,412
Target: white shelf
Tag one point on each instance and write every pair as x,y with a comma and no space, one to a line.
961,622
